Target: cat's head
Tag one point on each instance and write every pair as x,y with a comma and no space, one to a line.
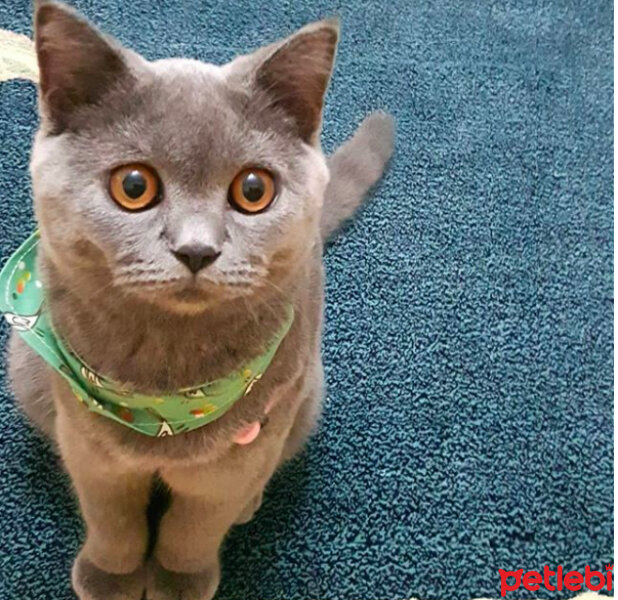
178,181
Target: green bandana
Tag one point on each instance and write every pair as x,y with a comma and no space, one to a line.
22,301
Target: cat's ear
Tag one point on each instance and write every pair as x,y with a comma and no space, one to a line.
77,64
294,76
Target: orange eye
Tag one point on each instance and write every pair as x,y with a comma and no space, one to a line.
134,186
252,191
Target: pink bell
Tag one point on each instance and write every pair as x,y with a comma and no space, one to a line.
248,434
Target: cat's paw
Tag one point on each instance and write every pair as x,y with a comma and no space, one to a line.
92,583
249,511
170,585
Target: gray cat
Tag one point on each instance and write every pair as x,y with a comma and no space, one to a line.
183,208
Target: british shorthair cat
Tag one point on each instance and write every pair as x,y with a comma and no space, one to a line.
182,208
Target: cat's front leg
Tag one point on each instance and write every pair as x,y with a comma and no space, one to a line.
205,502
113,501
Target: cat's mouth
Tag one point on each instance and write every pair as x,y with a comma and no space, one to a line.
185,299
190,294
189,297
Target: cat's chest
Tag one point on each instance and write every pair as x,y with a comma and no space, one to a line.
261,416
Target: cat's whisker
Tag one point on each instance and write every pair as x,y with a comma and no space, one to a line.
132,280
267,303
274,286
129,258
136,266
250,310
156,283
98,291
136,274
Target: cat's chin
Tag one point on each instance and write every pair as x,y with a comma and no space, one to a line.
184,301
190,305
186,308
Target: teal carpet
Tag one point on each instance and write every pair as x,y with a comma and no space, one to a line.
468,346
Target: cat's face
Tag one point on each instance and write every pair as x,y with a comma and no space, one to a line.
224,180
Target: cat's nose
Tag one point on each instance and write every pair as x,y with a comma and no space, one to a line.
196,255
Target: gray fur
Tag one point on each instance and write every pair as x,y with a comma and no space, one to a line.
120,298
355,167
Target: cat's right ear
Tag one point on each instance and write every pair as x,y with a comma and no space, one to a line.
77,64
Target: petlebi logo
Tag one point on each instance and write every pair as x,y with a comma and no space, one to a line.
557,580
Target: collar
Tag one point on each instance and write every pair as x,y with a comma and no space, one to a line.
22,300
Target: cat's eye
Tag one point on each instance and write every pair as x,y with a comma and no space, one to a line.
252,191
134,186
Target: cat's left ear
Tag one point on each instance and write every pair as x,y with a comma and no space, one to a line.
294,75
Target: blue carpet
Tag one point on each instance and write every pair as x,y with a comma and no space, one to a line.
468,344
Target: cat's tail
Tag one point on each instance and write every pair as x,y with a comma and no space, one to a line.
354,168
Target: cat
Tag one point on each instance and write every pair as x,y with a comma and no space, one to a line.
183,208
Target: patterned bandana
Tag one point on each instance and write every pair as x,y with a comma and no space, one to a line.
22,301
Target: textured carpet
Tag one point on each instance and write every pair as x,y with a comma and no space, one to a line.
468,344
